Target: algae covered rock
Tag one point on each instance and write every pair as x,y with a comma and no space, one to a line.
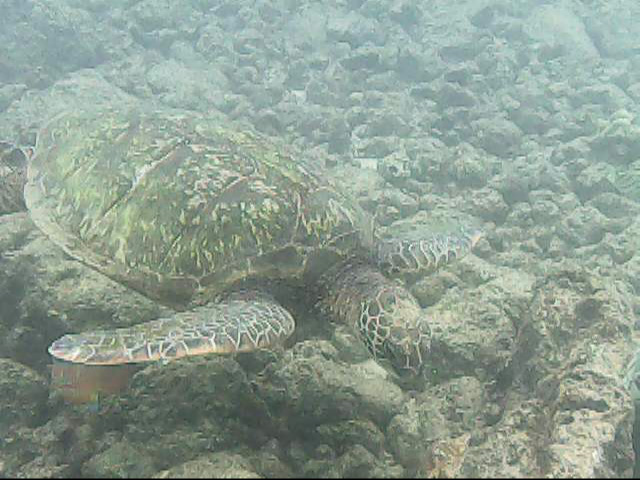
441,413
483,345
313,385
23,396
57,38
618,139
28,446
216,465
120,460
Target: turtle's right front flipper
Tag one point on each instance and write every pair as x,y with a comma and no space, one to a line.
425,252
243,322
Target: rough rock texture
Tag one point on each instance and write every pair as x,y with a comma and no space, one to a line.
24,395
217,465
520,115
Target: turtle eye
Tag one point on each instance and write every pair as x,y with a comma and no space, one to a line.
388,300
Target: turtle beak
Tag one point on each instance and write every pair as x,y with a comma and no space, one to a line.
407,349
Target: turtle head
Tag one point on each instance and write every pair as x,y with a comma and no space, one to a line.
394,327
413,255
407,349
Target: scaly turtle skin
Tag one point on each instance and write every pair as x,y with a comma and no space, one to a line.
13,165
212,221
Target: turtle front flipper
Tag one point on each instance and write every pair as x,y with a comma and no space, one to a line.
243,322
417,255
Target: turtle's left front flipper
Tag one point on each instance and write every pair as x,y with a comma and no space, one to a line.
244,321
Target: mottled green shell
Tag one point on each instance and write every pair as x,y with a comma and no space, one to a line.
176,205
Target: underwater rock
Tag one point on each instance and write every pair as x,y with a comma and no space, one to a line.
489,205
395,168
531,120
268,461
121,460
559,27
497,136
23,323
615,206
20,122
157,24
482,346
353,431
471,167
355,29
609,97
9,93
375,147
319,387
507,448
444,411
627,181
184,86
58,39
595,179
39,452
525,174
23,396
412,66
215,465
366,58
406,205
358,462
355,462
612,31
192,406
382,123
577,378
451,95
544,208
618,139
31,445
586,226
593,416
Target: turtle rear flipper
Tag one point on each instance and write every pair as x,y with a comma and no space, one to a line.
242,322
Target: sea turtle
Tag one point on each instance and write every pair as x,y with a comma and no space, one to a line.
218,222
